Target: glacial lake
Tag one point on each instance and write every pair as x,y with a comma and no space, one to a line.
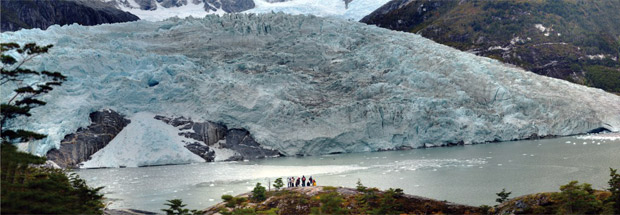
462,174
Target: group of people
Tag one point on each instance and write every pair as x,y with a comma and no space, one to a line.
295,182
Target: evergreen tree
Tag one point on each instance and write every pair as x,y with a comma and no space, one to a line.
24,97
278,184
576,198
503,196
176,207
614,188
27,187
259,193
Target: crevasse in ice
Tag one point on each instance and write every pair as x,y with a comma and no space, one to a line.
302,84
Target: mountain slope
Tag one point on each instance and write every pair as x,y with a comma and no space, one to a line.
575,40
157,10
18,14
303,84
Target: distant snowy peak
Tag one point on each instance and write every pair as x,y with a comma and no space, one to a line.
228,6
157,10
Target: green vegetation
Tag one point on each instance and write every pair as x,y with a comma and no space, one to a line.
258,194
575,40
614,188
278,184
233,202
576,198
27,186
604,77
503,196
331,203
176,207
573,198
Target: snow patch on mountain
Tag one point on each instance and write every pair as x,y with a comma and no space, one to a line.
161,13
300,85
354,10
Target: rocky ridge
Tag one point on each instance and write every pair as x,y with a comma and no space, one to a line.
303,200
211,136
25,14
79,146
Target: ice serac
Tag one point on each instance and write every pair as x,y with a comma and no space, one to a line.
301,85
79,146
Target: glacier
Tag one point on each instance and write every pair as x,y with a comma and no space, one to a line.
303,85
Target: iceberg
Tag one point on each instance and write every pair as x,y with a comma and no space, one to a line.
302,85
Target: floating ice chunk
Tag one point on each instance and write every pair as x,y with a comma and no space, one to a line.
499,164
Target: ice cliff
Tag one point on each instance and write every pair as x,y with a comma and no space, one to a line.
301,85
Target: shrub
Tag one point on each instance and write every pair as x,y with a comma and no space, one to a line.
485,209
258,194
503,196
331,203
360,187
614,188
176,207
576,198
227,197
278,184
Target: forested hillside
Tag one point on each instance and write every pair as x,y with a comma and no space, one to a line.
575,40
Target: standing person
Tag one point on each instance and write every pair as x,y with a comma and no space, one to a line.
310,180
297,182
303,180
313,182
288,181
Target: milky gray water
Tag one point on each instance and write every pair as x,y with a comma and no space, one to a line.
462,174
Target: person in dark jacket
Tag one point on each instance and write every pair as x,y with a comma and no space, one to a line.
297,182
310,180
303,181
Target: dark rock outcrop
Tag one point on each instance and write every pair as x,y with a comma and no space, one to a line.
242,142
211,134
25,14
79,146
229,6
